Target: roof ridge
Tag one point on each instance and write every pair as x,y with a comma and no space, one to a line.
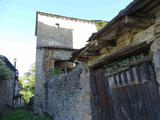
8,63
65,17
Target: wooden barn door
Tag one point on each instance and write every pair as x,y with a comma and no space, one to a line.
129,94
104,97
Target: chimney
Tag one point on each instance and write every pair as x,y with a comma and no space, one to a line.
15,60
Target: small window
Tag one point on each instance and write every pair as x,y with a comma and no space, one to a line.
57,24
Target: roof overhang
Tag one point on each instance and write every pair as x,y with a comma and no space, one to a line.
8,63
133,7
134,16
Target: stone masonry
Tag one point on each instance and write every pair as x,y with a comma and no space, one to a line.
155,47
57,37
131,33
69,96
7,88
73,96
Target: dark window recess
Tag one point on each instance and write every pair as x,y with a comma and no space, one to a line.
57,24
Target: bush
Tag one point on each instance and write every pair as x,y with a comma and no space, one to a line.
55,71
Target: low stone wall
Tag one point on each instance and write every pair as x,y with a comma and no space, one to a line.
2,94
67,97
6,93
6,89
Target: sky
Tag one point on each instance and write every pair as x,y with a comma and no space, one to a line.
18,17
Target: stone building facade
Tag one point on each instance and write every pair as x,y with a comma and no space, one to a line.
81,94
69,96
7,87
134,31
57,37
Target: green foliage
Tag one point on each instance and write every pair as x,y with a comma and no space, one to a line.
122,62
55,71
100,24
4,73
28,83
22,114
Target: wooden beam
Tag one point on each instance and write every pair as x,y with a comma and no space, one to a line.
82,59
111,43
141,14
105,43
129,23
151,5
138,21
129,65
111,33
91,53
140,61
101,44
121,54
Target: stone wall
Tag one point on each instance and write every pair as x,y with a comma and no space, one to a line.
7,90
3,93
60,32
53,36
40,78
68,96
45,59
60,54
81,29
155,47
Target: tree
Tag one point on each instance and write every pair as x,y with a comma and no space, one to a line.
4,75
27,83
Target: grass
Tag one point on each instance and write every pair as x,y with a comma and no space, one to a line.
22,114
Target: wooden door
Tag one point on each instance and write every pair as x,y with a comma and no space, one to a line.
130,94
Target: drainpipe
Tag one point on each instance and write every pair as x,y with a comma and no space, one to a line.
15,60
66,67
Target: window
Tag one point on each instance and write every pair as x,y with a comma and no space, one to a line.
57,24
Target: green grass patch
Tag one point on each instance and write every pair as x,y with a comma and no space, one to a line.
22,114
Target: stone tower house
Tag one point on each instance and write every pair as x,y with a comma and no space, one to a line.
57,37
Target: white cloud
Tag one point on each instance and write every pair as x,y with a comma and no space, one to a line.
24,53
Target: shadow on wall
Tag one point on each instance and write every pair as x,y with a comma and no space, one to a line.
50,36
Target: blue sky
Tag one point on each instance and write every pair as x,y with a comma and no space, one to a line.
17,22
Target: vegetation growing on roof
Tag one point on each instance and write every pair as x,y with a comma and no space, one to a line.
4,73
100,24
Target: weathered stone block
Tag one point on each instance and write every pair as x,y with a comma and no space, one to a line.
68,96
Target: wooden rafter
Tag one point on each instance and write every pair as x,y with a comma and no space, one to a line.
129,23
91,53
